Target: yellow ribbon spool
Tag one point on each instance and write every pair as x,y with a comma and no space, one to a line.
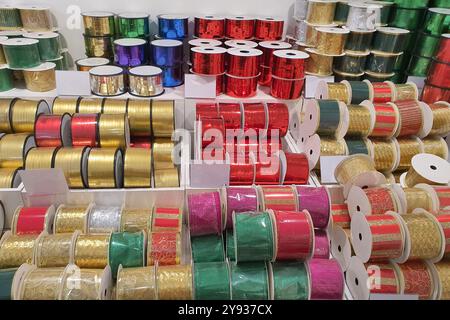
114,131
163,118
70,161
5,115
25,112
41,78
40,158
318,64
353,166
16,250
92,251
331,41
90,105
65,105
138,168
174,282
139,115
163,153
69,219
338,91
436,146
320,12
105,168
409,147
13,148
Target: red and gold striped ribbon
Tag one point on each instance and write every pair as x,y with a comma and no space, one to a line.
411,117
381,200
385,278
387,238
444,221
385,121
167,219
280,198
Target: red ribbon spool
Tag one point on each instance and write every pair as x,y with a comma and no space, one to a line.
216,124
269,29
206,110
141,142
208,60
209,27
167,219
268,48
242,174
278,117
240,44
241,28
382,92
241,87
268,172
297,168
265,78
254,116
243,62
231,114
289,64
443,53
432,94
286,89
85,130
31,220
439,74
50,130
411,117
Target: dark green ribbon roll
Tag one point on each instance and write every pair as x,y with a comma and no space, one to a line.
390,40
49,44
350,63
378,77
359,41
441,4
207,249
419,66
22,53
412,3
254,237
399,77
126,249
10,18
405,18
402,61
341,13
133,26
341,76
212,281
360,91
249,281
381,63
427,45
356,146
411,41
330,117
435,21
6,279
6,79
231,254
290,281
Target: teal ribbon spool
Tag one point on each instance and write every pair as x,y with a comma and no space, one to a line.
10,18
359,41
126,249
426,45
49,44
406,18
350,63
419,66
360,91
330,117
378,77
207,249
441,4
133,25
254,236
412,3
341,13
231,254
290,281
435,21
341,76
212,281
6,279
356,146
381,63
59,62
21,53
249,281
6,79
390,40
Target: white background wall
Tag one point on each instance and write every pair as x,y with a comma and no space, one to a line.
71,26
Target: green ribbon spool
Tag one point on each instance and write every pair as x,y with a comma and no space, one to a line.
341,12
402,62
21,53
381,63
427,45
378,77
441,4
133,25
341,76
290,281
330,117
126,249
390,40
360,91
254,236
10,18
359,41
6,79
249,281
406,18
419,66
207,249
231,254
435,21
59,62
399,77
49,44
411,41
6,279
412,3
212,281
356,146
350,63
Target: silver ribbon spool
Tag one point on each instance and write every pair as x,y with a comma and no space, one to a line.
364,17
103,219
107,81
300,30
300,9
146,81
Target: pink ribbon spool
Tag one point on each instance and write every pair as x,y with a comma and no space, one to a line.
205,214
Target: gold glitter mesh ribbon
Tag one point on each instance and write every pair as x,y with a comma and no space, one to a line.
54,250
320,13
101,168
40,80
443,271
139,114
135,220
36,19
70,161
92,251
338,91
331,43
7,176
167,178
16,250
360,121
40,158
136,284
12,150
441,119
318,64
71,218
42,284
409,147
331,147
353,166
113,130
90,105
406,91
163,118
138,168
5,123
418,198
436,146
23,115
174,282
384,155
65,105
98,26
82,284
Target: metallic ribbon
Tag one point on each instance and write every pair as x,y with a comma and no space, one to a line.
49,130
166,178
5,115
241,87
360,121
42,284
90,105
327,280
70,161
126,249
441,119
386,121
130,53
409,147
40,158
172,26
136,284
417,279
316,202
41,78
99,23
279,198
30,220
243,62
290,281
320,12
240,28
418,198
212,281
139,113
7,177
87,64
249,281
289,64
297,171
114,106
207,249
163,118
337,91
55,250
24,113
318,64
16,250
174,282
146,81
133,25
267,29
99,47
389,40
102,168
352,167
138,168
231,113
164,248
71,218
163,153
331,41
278,117
83,284
167,219
443,271
6,280
105,83
135,220
321,244
205,215
103,219
167,53
209,27
92,251
385,155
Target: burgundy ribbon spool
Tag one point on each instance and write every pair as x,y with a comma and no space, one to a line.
289,64
278,117
242,174
286,89
268,172
241,28
49,130
209,27
443,53
85,130
322,244
205,214
243,62
439,74
216,124
269,29
432,94
206,110
327,279
141,142
317,202
240,200
208,60
240,87
297,168
254,116
231,114
265,78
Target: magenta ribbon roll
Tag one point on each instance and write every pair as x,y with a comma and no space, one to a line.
327,279
205,214
240,200
321,244
316,201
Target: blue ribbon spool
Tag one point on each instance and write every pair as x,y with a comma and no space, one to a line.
173,26
167,53
173,76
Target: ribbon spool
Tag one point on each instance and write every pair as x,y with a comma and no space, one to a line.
84,129
69,219
139,113
205,215
174,282
21,53
107,81
136,283
167,52
89,105
388,283
427,168
417,198
130,52
321,245
381,92
318,64
289,64
436,146
331,41
297,169
163,118
207,249
104,219
40,283
164,248
435,20
340,216
432,94
10,17
317,147
438,74
163,153
114,106
269,28
105,168
61,106
442,270
291,243
441,118
387,119
229,246
212,281
372,201
409,147
137,168
9,178
239,27
208,60
378,63
280,198
172,26
202,42
359,41
290,281
166,178
92,250
333,91
317,202
145,81
33,220
326,118
333,287
413,270
126,249
16,249
278,118
240,87
341,246
351,63
135,220
360,90
133,25
389,40
25,112
239,200
411,118
300,9
209,27
53,130
89,63
5,115
99,47
406,91
386,155
249,281
321,12
40,158
268,48
49,44
54,250
73,163
98,23
444,220
361,123
242,174
92,284
230,112
243,63
114,131
358,146
6,280
363,16
444,45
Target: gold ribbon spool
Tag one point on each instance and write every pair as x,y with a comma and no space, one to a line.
98,25
69,219
135,220
360,121
54,250
320,12
167,178
115,106
92,251
331,41
99,47
353,166
163,153
40,158
441,119
13,148
85,284
25,112
409,147
110,82
36,19
16,250
65,105
5,115
102,165
338,91
406,91
318,64
436,146
443,272
136,283
42,284
114,131
138,168
8,177
417,198
90,105
385,155
163,118
311,35
71,162
139,115
332,147
174,282
41,78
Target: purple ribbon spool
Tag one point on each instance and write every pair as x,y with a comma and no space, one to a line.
321,245
205,214
130,52
317,202
327,279
240,200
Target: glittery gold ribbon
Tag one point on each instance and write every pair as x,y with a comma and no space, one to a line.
443,270
136,284
360,121
82,284
16,250
71,218
135,220
42,284
91,251
409,147
353,166
418,198
54,250
174,282
384,155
